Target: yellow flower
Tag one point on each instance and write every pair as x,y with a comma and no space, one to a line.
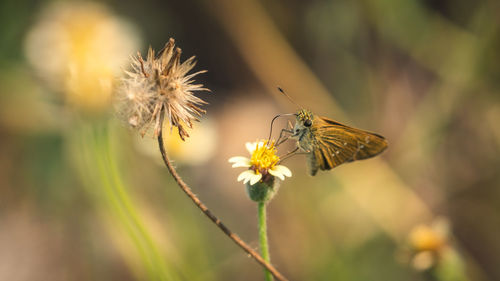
262,163
429,243
431,237
197,150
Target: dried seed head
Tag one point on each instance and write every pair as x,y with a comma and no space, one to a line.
159,86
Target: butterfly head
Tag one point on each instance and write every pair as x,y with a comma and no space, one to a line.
303,123
305,118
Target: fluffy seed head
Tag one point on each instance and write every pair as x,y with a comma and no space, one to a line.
160,87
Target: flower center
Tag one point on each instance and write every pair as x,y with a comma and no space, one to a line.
264,157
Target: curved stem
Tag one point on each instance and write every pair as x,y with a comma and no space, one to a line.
264,248
211,216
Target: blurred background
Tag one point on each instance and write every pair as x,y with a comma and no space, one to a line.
84,198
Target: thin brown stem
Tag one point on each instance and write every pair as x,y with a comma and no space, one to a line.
212,217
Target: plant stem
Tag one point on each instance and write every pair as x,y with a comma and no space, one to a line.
211,216
264,248
100,172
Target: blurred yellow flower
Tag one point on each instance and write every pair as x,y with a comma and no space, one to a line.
79,48
429,243
429,237
196,150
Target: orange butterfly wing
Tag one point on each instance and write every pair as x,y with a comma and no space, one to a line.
336,143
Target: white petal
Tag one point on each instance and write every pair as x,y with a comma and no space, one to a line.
280,171
241,164
284,170
255,179
246,175
240,161
236,159
251,146
277,174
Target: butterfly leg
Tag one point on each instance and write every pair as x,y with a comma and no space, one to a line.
289,154
284,136
288,131
292,153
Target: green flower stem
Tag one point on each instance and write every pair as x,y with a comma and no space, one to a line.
264,248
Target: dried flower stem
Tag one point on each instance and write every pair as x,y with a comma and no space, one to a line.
212,217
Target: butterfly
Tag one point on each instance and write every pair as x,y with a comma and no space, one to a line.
328,143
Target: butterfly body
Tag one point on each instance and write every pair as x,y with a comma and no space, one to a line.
328,143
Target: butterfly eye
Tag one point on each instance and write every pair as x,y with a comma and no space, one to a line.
308,123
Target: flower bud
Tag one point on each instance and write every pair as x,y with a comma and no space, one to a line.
263,191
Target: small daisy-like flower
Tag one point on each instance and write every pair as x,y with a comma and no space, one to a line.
429,237
430,244
263,164
159,86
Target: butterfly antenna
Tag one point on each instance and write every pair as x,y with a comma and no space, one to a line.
288,97
272,122
271,130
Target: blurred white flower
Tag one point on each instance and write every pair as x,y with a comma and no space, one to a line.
79,48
